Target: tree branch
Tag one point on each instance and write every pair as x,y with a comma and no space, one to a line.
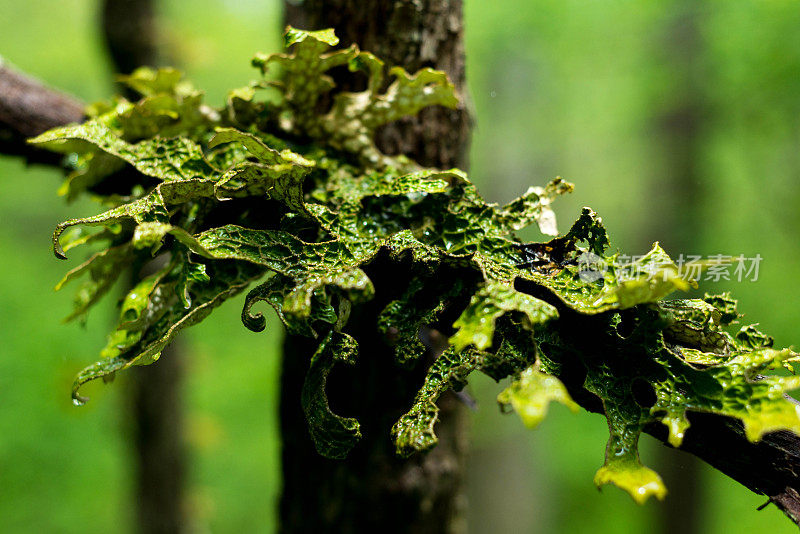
770,467
28,108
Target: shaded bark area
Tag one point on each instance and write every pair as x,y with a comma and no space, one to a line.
129,32
28,108
373,490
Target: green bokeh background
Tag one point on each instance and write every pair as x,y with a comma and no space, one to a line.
576,88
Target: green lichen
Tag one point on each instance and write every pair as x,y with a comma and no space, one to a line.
333,435
299,203
531,393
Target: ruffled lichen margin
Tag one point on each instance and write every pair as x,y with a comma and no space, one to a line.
284,191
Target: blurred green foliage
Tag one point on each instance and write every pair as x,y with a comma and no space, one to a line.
585,89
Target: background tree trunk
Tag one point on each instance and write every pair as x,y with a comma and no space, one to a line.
130,34
373,490
680,127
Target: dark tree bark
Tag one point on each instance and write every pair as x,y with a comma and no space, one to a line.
28,108
156,399
373,490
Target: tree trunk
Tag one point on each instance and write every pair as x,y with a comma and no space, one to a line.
159,455
373,490
129,32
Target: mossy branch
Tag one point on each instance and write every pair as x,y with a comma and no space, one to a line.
300,195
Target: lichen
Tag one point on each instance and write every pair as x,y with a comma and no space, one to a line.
297,199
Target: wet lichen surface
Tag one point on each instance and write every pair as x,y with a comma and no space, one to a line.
283,191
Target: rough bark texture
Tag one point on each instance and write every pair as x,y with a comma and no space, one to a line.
28,108
129,32
373,490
